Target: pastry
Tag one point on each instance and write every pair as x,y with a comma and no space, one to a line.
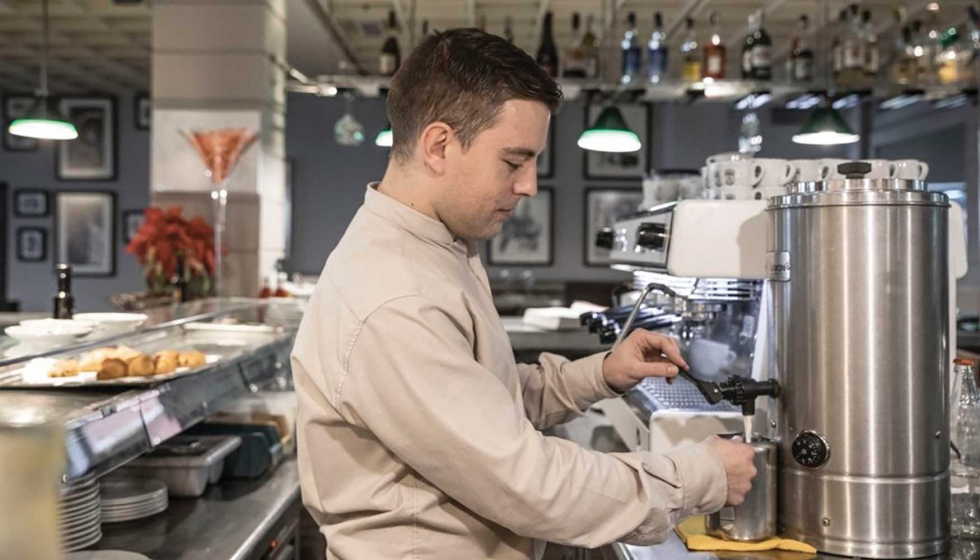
141,365
165,361
191,359
64,368
93,360
125,353
112,368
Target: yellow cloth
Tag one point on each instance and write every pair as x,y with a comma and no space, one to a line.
692,532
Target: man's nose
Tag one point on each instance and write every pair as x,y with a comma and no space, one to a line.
527,185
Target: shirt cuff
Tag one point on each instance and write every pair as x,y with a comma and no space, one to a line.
703,478
593,385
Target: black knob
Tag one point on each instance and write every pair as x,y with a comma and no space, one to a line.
854,169
605,239
652,236
811,450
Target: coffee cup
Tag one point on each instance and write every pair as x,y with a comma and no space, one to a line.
764,193
811,170
746,173
778,172
832,173
708,357
910,169
880,169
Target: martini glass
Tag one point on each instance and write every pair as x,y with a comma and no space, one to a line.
220,150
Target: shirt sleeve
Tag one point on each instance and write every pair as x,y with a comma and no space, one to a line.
412,381
557,390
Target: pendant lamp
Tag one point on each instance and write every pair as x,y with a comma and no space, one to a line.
609,133
384,138
825,128
44,121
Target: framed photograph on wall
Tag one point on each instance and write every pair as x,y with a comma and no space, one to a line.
142,111
31,203
132,222
91,156
629,165
15,107
602,207
85,232
546,160
32,244
527,236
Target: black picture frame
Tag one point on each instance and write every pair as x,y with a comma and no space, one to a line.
22,203
64,235
142,111
23,236
632,198
97,121
14,106
545,196
132,220
546,160
591,159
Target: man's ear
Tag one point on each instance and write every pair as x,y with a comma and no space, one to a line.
433,143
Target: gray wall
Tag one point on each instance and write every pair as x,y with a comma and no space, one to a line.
33,284
329,179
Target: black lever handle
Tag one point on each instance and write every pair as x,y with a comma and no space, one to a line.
740,391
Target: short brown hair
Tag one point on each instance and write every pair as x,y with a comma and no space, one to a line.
461,77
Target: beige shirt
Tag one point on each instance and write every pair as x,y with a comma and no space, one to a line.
418,433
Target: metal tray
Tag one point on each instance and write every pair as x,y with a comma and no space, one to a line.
219,343
186,464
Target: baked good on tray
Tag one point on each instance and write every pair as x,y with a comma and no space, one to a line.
112,368
64,368
191,359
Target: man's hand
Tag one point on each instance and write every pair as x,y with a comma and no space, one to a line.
737,458
643,354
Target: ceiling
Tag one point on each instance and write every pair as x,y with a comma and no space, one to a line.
104,46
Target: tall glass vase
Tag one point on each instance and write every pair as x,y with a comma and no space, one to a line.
220,150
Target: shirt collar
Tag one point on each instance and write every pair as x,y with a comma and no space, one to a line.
415,222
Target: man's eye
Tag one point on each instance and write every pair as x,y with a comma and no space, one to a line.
513,166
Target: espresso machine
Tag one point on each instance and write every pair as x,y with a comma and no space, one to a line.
844,291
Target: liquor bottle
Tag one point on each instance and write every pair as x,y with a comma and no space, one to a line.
64,301
547,51
630,48
951,58
482,26
964,439
391,54
747,50
801,59
425,29
590,50
837,46
872,59
281,291
657,51
266,289
574,62
973,16
508,29
905,64
761,51
714,52
691,55
853,49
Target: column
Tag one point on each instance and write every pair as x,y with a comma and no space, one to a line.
214,67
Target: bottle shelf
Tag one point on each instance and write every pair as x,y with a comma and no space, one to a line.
725,91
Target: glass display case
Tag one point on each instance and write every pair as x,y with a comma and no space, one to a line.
226,348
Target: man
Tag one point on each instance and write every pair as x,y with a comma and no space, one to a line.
417,430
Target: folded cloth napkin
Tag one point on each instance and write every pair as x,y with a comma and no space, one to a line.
692,532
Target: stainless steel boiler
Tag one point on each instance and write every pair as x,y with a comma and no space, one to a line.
859,277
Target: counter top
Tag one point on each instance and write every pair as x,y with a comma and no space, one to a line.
227,523
527,338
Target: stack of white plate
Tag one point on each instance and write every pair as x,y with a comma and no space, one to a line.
125,499
80,516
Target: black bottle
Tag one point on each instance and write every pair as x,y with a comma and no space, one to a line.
64,302
390,57
547,51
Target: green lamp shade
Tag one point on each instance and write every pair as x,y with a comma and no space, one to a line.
384,138
825,128
44,122
609,133
44,129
